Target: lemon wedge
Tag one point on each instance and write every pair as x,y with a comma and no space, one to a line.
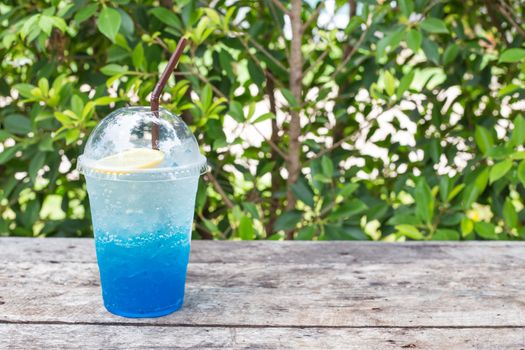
127,161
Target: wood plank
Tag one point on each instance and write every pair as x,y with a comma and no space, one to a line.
432,292
50,336
279,252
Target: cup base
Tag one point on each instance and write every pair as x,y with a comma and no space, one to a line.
157,313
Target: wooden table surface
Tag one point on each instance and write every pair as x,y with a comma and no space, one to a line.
276,295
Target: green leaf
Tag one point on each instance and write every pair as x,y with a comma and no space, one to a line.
85,13
499,170
206,97
72,135
407,7
37,162
389,43
290,98
137,56
63,118
444,188
26,90
256,73
347,189
409,231
473,191
404,84
226,62
327,166
348,209
108,22
508,89
306,233
434,150
105,100
509,214
400,219
434,25
264,117
17,124
450,53
467,226
414,40
236,111
167,17
518,133
46,24
7,154
431,50
77,104
521,172
483,138
302,190
4,135
390,83
424,201
445,235
31,213
512,55
519,155
246,230
251,110
43,85
485,230
46,144
288,220
113,69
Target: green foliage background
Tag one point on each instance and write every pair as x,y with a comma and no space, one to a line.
434,87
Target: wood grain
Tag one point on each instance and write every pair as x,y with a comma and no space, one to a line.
148,337
309,294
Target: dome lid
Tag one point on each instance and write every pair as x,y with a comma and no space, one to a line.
128,129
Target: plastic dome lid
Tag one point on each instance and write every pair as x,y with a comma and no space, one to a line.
130,128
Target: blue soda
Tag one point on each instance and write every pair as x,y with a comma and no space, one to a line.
142,237
143,274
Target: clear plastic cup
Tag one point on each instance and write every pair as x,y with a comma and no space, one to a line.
142,218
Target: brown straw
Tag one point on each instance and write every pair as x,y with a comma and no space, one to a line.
155,95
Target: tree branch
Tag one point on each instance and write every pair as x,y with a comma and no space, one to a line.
272,144
331,148
209,176
351,52
492,10
281,7
264,51
294,132
313,18
256,60
317,61
506,11
276,180
221,94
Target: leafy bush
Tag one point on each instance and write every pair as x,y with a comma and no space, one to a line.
321,120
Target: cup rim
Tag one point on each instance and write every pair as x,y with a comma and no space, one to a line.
144,175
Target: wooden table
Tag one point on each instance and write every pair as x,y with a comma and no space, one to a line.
276,295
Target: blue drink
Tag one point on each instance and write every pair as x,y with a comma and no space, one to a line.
143,275
142,203
142,243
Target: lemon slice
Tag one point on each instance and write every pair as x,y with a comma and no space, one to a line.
127,161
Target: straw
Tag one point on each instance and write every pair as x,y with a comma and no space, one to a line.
155,95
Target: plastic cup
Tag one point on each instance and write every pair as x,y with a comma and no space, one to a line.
142,218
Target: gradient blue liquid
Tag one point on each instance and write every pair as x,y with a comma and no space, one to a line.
142,236
143,275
